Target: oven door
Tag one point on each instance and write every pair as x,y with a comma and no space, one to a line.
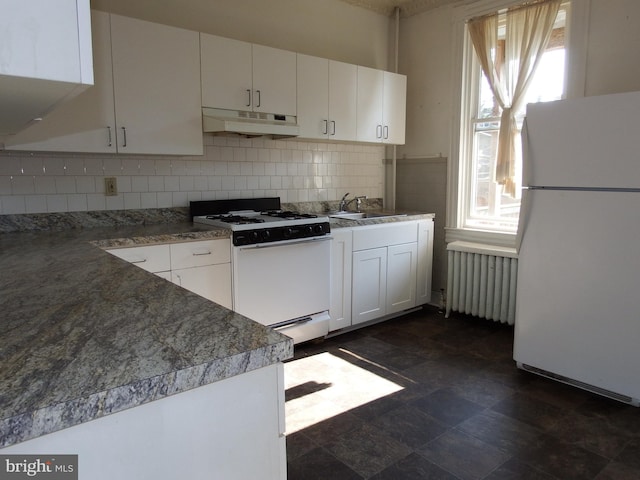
282,281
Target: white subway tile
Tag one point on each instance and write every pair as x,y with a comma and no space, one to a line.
193,167
65,185
57,203
163,166
32,166
23,185
246,168
265,183
93,166
147,166
221,168
165,199
253,182
178,167
74,166
35,204
112,166
240,183
140,184
215,183
5,184
187,183
180,199
228,183
124,184
207,167
10,166
83,185
130,166
171,184
115,203
201,183
54,166
77,202
95,201
226,154
281,168
156,183
239,154
258,168
193,197
132,201
251,154
148,200
234,169
275,155
13,204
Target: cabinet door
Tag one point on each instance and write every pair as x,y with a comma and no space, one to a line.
341,258
197,254
425,261
210,281
394,108
156,77
152,258
225,73
313,96
87,122
369,104
369,285
274,80
343,88
402,263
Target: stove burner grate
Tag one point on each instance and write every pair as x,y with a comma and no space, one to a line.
235,219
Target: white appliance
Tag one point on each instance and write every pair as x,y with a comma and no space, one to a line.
280,263
578,292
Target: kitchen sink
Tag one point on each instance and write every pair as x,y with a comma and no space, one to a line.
364,215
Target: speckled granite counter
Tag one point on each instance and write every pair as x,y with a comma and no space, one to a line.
84,334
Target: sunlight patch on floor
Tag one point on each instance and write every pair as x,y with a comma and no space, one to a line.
322,386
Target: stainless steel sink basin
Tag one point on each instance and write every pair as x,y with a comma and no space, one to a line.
364,215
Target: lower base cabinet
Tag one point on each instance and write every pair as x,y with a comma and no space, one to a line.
379,270
232,429
209,281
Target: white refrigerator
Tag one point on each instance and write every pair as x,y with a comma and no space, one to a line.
578,290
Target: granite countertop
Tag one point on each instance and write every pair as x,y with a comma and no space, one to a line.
85,334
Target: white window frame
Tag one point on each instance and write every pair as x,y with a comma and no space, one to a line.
575,75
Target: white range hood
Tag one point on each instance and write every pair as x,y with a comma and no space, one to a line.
252,124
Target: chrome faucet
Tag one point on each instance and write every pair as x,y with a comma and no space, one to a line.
344,204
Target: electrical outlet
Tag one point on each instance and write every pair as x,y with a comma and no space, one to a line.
110,186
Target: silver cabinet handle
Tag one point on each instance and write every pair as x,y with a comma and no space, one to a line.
378,131
201,253
248,97
333,127
138,260
258,103
124,136
386,131
109,136
325,130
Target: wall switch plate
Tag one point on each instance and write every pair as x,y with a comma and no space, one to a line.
110,186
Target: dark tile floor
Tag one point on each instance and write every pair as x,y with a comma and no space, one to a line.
440,398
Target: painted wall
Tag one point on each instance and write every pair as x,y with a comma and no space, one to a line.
325,28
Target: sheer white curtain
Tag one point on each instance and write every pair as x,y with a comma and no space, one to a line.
527,32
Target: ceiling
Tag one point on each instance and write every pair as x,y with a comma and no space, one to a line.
407,7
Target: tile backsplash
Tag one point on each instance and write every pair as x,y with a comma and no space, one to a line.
232,167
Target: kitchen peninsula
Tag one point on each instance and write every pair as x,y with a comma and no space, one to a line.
85,337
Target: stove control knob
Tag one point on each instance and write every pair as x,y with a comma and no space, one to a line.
318,228
254,236
309,229
266,235
287,232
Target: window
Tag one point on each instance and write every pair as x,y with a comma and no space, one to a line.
482,202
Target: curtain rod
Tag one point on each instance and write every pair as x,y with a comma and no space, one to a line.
514,8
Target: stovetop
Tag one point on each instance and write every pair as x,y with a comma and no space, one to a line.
249,219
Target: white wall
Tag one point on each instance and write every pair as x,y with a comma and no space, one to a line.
325,28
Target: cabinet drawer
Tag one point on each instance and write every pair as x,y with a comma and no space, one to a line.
376,236
153,258
197,254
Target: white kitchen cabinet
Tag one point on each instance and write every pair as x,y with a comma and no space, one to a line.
152,258
402,265
369,284
326,98
425,261
45,50
204,268
381,106
242,76
385,262
146,97
232,429
341,274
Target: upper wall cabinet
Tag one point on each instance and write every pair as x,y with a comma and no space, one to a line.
242,76
45,57
146,97
326,98
381,106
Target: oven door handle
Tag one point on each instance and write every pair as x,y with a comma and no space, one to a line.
285,243
294,321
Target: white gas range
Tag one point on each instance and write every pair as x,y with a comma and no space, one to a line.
280,263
